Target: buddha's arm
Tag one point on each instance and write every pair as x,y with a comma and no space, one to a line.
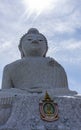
64,77
6,80
61,75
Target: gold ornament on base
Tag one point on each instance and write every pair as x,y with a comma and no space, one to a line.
48,109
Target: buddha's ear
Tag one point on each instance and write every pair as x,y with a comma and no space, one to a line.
46,50
20,49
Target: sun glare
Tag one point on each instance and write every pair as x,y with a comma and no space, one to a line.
37,6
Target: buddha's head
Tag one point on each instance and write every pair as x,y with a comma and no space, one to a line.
33,43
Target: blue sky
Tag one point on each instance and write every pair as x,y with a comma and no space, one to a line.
58,20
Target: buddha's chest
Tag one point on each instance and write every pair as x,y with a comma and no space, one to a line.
34,71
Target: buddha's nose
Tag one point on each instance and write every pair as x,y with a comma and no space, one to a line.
35,42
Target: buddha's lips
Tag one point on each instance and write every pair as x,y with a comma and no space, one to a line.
35,43
36,46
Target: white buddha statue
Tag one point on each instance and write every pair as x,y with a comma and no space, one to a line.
34,72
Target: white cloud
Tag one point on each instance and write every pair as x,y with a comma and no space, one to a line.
74,85
66,51
71,44
5,46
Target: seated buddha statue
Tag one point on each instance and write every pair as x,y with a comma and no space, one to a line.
34,72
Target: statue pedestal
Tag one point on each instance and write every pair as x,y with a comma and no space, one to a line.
22,111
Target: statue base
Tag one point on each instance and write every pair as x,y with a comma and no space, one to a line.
21,111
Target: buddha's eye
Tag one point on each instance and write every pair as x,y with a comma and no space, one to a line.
40,40
29,39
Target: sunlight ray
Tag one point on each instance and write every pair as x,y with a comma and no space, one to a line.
37,6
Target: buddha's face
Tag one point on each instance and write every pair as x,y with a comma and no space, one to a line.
34,45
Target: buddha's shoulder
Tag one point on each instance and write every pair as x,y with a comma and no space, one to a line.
53,62
13,64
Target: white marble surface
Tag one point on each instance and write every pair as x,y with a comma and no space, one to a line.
25,113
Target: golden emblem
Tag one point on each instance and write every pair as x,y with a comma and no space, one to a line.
48,109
